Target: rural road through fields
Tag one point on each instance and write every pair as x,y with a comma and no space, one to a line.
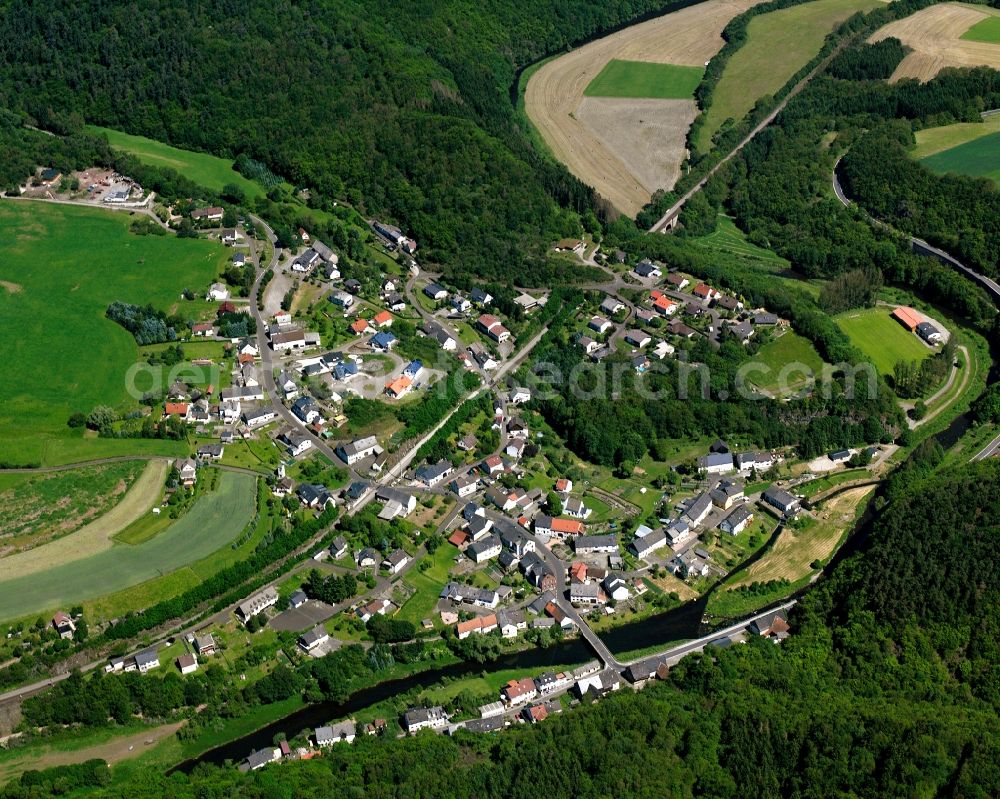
664,222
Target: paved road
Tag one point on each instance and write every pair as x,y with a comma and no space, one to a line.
675,653
988,451
922,247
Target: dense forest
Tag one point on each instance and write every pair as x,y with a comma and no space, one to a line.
400,108
887,687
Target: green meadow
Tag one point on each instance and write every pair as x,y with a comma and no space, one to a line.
784,351
62,266
986,31
213,522
206,170
977,158
642,79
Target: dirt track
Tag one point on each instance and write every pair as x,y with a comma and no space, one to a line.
934,35
554,94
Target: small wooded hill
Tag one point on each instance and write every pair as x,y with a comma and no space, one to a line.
886,688
403,108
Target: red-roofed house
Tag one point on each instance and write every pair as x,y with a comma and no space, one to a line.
492,465
399,387
665,305
706,292
578,572
517,692
907,317
458,538
175,409
225,307
535,713
564,485
202,329
359,327
383,319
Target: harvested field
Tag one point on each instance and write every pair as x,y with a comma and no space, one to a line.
931,141
95,537
554,94
795,550
646,135
935,36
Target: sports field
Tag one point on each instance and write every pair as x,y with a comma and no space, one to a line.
977,158
945,35
643,79
778,45
213,522
882,338
786,363
205,170
61,354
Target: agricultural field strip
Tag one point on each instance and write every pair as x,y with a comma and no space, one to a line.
935,35
212,522
931,141
643,79
553,95
95,537
778,44
977,158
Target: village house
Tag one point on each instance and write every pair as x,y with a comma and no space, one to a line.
517,692
258,603
558,528
358,450
648,544
611,306
395,561
423,718
63,624
313,639
781,500
344,732
737,521
492,327
436,292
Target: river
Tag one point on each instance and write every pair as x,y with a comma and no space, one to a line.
681,623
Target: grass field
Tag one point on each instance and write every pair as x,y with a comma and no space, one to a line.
62,355
986,31
730,239
212,523
977,158
935,140
205,170
37,507
428,585
882,338
94,537
791,351
644,79
778,45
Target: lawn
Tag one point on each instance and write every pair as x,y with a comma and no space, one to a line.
730,239
936,140
977,158
988,30
212,523
428,585
790,352
778,45
643,79
206,170
67,264
882,338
